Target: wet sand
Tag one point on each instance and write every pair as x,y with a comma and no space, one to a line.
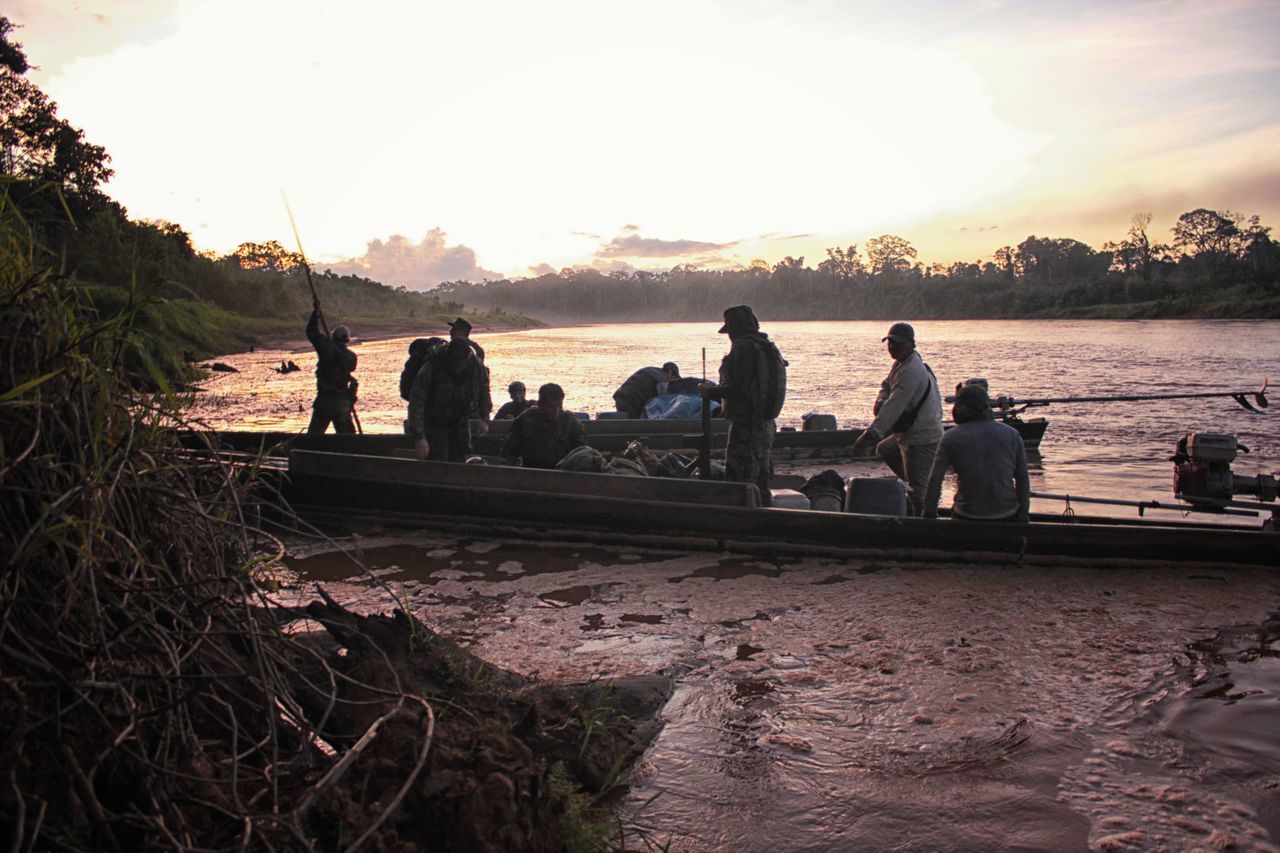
825,704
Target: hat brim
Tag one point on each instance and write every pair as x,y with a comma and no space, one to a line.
723,329
899,338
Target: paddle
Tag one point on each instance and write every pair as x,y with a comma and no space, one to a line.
315,297
1241,397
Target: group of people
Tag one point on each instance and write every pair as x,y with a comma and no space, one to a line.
989,458
446,384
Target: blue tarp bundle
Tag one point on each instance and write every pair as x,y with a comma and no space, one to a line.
667,407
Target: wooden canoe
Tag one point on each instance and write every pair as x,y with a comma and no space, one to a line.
353,488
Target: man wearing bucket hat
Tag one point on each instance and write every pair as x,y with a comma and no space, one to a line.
752,389
908,415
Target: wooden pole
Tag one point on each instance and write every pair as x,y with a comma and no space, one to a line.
704,456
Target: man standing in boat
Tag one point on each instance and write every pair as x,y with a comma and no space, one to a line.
335,386
460,329
545,433
642,386
752,388
990,462
442,402
908,415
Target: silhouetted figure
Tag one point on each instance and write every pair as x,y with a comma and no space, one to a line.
642,386
990,461
335,386
517,406
545,433
752,388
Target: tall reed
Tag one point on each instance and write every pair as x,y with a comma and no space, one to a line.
149,696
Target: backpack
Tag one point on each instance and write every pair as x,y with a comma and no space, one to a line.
771,376
419,351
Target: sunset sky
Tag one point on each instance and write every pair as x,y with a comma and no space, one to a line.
429,141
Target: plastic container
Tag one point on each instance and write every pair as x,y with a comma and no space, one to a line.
876,496
789,499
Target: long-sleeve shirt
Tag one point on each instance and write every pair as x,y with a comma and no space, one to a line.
334,365
900,392
990,462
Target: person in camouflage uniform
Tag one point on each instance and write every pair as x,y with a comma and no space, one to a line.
545,433
443,401
335,386
751,429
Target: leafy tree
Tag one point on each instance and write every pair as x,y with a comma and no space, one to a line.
1052,259
36,145
889,253
1208,232
843,263
269,257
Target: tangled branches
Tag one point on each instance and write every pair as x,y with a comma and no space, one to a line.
150,695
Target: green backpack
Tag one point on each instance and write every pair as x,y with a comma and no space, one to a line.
770,391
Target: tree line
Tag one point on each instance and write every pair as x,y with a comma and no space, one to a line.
1218,263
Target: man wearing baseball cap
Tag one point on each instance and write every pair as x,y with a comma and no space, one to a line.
908,415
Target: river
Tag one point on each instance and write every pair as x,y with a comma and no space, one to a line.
826,704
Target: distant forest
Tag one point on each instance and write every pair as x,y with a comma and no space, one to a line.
1218,264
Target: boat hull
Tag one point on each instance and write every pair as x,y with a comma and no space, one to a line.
405,491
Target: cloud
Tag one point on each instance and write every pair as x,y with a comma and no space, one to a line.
631,228
636,246
63,31
419,266
586,234
792,237
537,270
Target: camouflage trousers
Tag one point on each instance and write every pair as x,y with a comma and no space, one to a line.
746,458
329,409
449,442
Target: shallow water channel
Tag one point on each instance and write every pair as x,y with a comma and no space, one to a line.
825,704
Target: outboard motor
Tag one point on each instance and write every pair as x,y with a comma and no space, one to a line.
1202,470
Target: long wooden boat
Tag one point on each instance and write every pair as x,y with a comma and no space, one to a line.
611,436
352,488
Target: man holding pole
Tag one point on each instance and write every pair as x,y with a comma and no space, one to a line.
335,386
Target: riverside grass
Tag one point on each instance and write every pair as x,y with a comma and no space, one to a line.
150,695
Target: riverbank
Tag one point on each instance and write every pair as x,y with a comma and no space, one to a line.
374,330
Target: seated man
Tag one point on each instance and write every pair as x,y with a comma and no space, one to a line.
545,433
517,406
642,386
990,462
